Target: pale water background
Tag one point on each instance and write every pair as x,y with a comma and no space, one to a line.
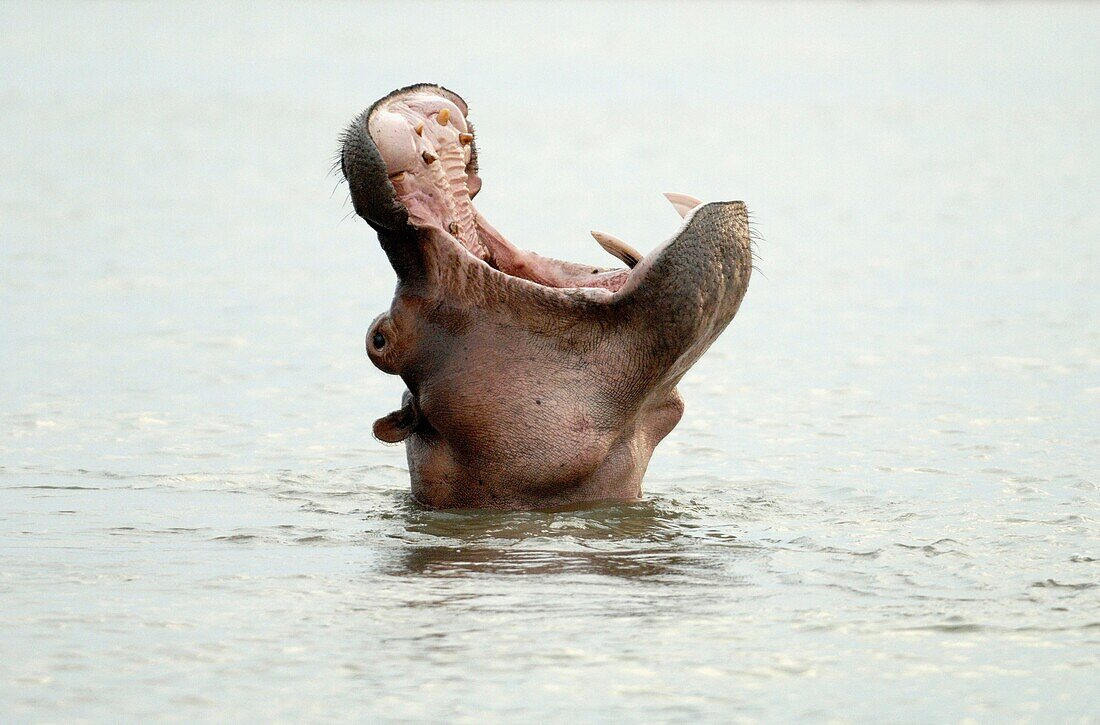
881,503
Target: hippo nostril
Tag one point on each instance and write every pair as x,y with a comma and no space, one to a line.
379,341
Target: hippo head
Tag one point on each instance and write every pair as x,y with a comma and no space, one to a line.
532,382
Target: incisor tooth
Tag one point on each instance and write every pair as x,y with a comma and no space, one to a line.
682,203
429,157
443,117
465,138
617,248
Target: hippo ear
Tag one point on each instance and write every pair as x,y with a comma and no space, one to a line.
398,425
683,294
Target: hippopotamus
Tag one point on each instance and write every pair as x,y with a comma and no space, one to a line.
532,383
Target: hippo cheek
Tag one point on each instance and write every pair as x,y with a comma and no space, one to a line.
532,381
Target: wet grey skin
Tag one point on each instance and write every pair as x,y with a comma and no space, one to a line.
531,382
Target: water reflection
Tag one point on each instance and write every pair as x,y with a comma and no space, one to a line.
444,560
644,540
650,520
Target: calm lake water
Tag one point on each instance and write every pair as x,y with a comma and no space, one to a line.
882,502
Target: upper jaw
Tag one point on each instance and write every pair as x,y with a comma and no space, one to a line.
411,165
410,161
382,145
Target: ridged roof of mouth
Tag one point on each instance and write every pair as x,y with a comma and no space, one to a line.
428,148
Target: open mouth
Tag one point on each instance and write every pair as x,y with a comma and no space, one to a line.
429,151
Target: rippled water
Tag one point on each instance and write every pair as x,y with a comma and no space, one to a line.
881,503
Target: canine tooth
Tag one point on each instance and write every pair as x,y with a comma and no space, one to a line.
399,176
465,138
682,203
429,157
453,228
420,130
617,248
443,117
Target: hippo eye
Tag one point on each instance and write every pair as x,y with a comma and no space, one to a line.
379,341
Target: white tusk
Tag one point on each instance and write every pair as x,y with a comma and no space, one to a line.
682,203
617,248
